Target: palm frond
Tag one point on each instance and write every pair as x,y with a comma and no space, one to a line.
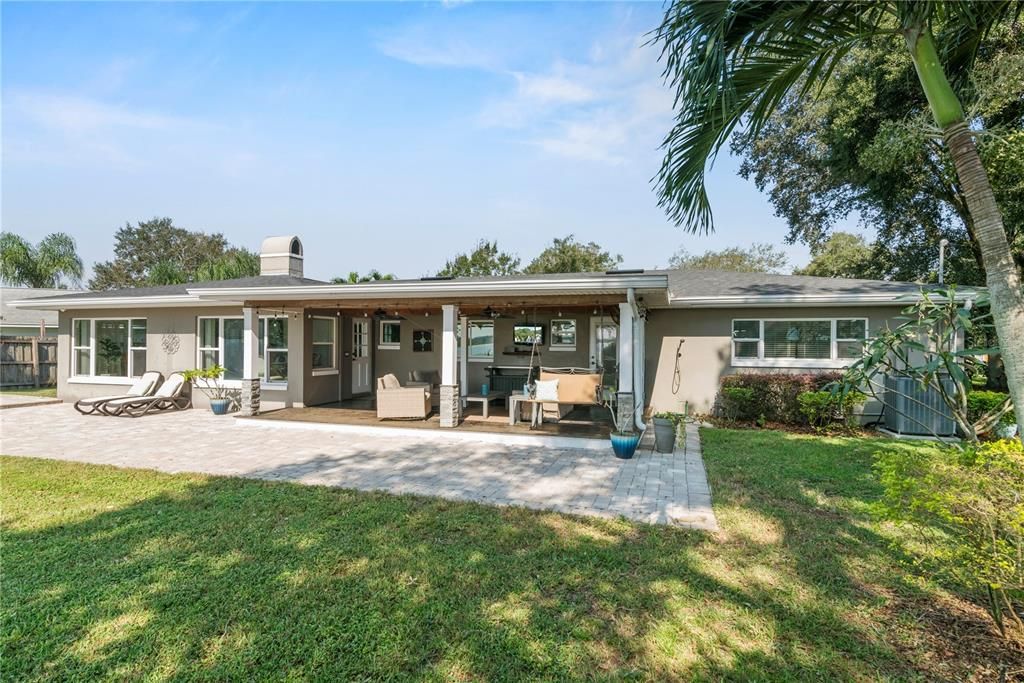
732,63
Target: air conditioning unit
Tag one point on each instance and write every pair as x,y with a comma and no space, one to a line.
916,410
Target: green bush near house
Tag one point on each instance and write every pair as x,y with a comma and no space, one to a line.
774,394
823,408
738,403
981,403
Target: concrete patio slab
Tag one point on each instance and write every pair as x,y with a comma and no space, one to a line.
8,400
652,487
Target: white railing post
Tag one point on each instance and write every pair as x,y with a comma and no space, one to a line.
451,401
250,393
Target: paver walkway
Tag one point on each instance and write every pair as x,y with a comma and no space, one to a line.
9,400
652,487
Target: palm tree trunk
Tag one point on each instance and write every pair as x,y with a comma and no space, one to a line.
1001,275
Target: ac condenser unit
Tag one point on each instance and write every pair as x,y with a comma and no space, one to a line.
913,409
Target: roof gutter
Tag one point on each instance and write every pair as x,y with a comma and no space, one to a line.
435,288
770,300
74,303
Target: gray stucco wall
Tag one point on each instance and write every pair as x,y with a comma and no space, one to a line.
706,336
177,327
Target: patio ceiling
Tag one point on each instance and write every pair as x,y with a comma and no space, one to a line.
576,304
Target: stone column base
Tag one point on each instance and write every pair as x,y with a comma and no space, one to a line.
625,405
249,403
451,405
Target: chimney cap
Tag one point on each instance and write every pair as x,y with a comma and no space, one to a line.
283,245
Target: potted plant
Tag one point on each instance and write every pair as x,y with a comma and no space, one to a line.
625,438
665,431
208,381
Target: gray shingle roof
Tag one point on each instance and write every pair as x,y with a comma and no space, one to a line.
182,289
28,316
688,284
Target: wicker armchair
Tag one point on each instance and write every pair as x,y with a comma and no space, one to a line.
397,402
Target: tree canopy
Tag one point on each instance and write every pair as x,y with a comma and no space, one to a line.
865,147
54,262
485,259
355,278
566,255
843,254
158,252
758,258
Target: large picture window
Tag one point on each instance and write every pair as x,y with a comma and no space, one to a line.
108,347
812,342
221,343
481,340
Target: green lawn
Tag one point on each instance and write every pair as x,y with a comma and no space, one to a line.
129,574
48,392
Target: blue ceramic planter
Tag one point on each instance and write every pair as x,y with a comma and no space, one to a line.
625,445
220,406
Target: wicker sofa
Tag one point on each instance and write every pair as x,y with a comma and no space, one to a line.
397,402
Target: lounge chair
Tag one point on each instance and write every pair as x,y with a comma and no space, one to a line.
143,386
397,402
170,396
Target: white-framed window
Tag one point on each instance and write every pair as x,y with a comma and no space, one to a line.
563,335
220,342
390,334
797,342
481,340
324,335
108,347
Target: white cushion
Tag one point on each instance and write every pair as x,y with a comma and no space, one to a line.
547,390
391,382
171,386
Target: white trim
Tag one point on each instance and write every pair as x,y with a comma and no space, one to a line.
769,300
334,345
479,359
552,346
91,346
389,346
75,303
282,253
433,288
833,362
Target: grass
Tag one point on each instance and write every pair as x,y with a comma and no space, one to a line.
45,392
129,574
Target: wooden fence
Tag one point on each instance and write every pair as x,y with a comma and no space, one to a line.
28,361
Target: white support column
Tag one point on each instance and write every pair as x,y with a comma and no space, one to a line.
463,357
625,347
451,401
249,403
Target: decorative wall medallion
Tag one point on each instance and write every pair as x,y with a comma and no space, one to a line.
170,343
423,340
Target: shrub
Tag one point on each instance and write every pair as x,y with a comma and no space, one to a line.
982,403
775,393
738,402
822,408
969,507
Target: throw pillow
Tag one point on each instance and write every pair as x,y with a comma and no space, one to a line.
547,390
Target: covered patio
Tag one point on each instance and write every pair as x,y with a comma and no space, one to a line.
476,345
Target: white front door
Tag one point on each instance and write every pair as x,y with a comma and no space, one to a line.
360,356
604,349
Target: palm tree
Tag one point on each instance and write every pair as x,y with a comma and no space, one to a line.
46,264
732,62
355,278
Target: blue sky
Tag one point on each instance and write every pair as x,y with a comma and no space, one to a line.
387,136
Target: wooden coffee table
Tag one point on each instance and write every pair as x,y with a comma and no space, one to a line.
485,401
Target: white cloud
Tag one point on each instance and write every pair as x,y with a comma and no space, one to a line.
71,114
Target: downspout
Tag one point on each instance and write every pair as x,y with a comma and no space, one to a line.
639,343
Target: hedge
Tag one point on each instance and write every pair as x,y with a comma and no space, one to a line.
775,393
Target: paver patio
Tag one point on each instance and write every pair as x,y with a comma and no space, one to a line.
652,487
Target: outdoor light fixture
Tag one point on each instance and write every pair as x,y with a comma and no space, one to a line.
380,313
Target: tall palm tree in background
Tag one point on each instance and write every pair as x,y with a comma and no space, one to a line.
731,63
54,262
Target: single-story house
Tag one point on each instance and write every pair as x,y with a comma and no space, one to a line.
24,321
663,339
